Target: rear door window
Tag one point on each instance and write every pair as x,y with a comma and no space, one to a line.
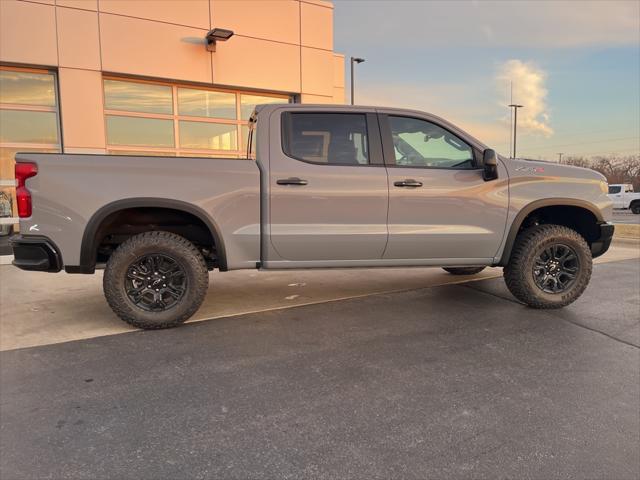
326,138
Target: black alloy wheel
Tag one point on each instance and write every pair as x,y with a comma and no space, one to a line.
555,268
155,282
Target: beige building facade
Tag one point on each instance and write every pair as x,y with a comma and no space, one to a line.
135,76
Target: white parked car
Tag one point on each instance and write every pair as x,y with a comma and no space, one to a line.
624,197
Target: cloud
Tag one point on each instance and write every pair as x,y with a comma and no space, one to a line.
528,90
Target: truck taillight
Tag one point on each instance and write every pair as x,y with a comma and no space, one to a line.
23,196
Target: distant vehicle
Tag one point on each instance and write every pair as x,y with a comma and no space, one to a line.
623,197
328,186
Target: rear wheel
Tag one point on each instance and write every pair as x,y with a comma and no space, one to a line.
155,280
635,208
463,270
550,266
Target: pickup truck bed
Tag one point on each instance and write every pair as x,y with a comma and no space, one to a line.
76,194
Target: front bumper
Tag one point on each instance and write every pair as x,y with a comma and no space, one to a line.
35,253
602,244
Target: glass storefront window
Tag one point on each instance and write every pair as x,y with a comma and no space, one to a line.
138,131
24,126
206,103
244,136
249,102
208,136
26,88
151,118
137,97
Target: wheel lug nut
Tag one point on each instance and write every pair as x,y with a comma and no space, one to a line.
164,284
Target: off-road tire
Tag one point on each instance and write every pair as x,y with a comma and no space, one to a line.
168,244
463,270
519,275
635,208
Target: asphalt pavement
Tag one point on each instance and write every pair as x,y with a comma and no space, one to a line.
455,381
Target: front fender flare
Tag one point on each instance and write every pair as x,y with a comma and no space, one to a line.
532,207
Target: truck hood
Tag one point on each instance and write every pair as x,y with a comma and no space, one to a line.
522,167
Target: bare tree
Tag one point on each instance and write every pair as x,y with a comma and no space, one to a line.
616,169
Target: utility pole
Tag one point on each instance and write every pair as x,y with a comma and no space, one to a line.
515,125
511,122
354,60
560,157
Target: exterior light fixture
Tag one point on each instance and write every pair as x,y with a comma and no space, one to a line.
217,35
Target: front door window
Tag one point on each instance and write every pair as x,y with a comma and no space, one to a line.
418,143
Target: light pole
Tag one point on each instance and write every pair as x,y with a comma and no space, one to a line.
515,125
354,60
560,157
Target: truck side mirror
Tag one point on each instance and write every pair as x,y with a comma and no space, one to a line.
490,165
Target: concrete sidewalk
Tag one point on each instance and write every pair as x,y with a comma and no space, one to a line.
40,309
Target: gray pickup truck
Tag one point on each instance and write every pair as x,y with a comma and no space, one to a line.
323,186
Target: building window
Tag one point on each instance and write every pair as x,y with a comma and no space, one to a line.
29,122
153,118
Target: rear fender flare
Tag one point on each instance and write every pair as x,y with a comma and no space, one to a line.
90,241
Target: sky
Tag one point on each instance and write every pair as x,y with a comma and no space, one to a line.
574,65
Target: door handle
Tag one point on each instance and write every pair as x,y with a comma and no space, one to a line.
408,183
292,181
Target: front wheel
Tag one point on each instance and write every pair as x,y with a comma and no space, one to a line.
463,270
550,266
155,280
